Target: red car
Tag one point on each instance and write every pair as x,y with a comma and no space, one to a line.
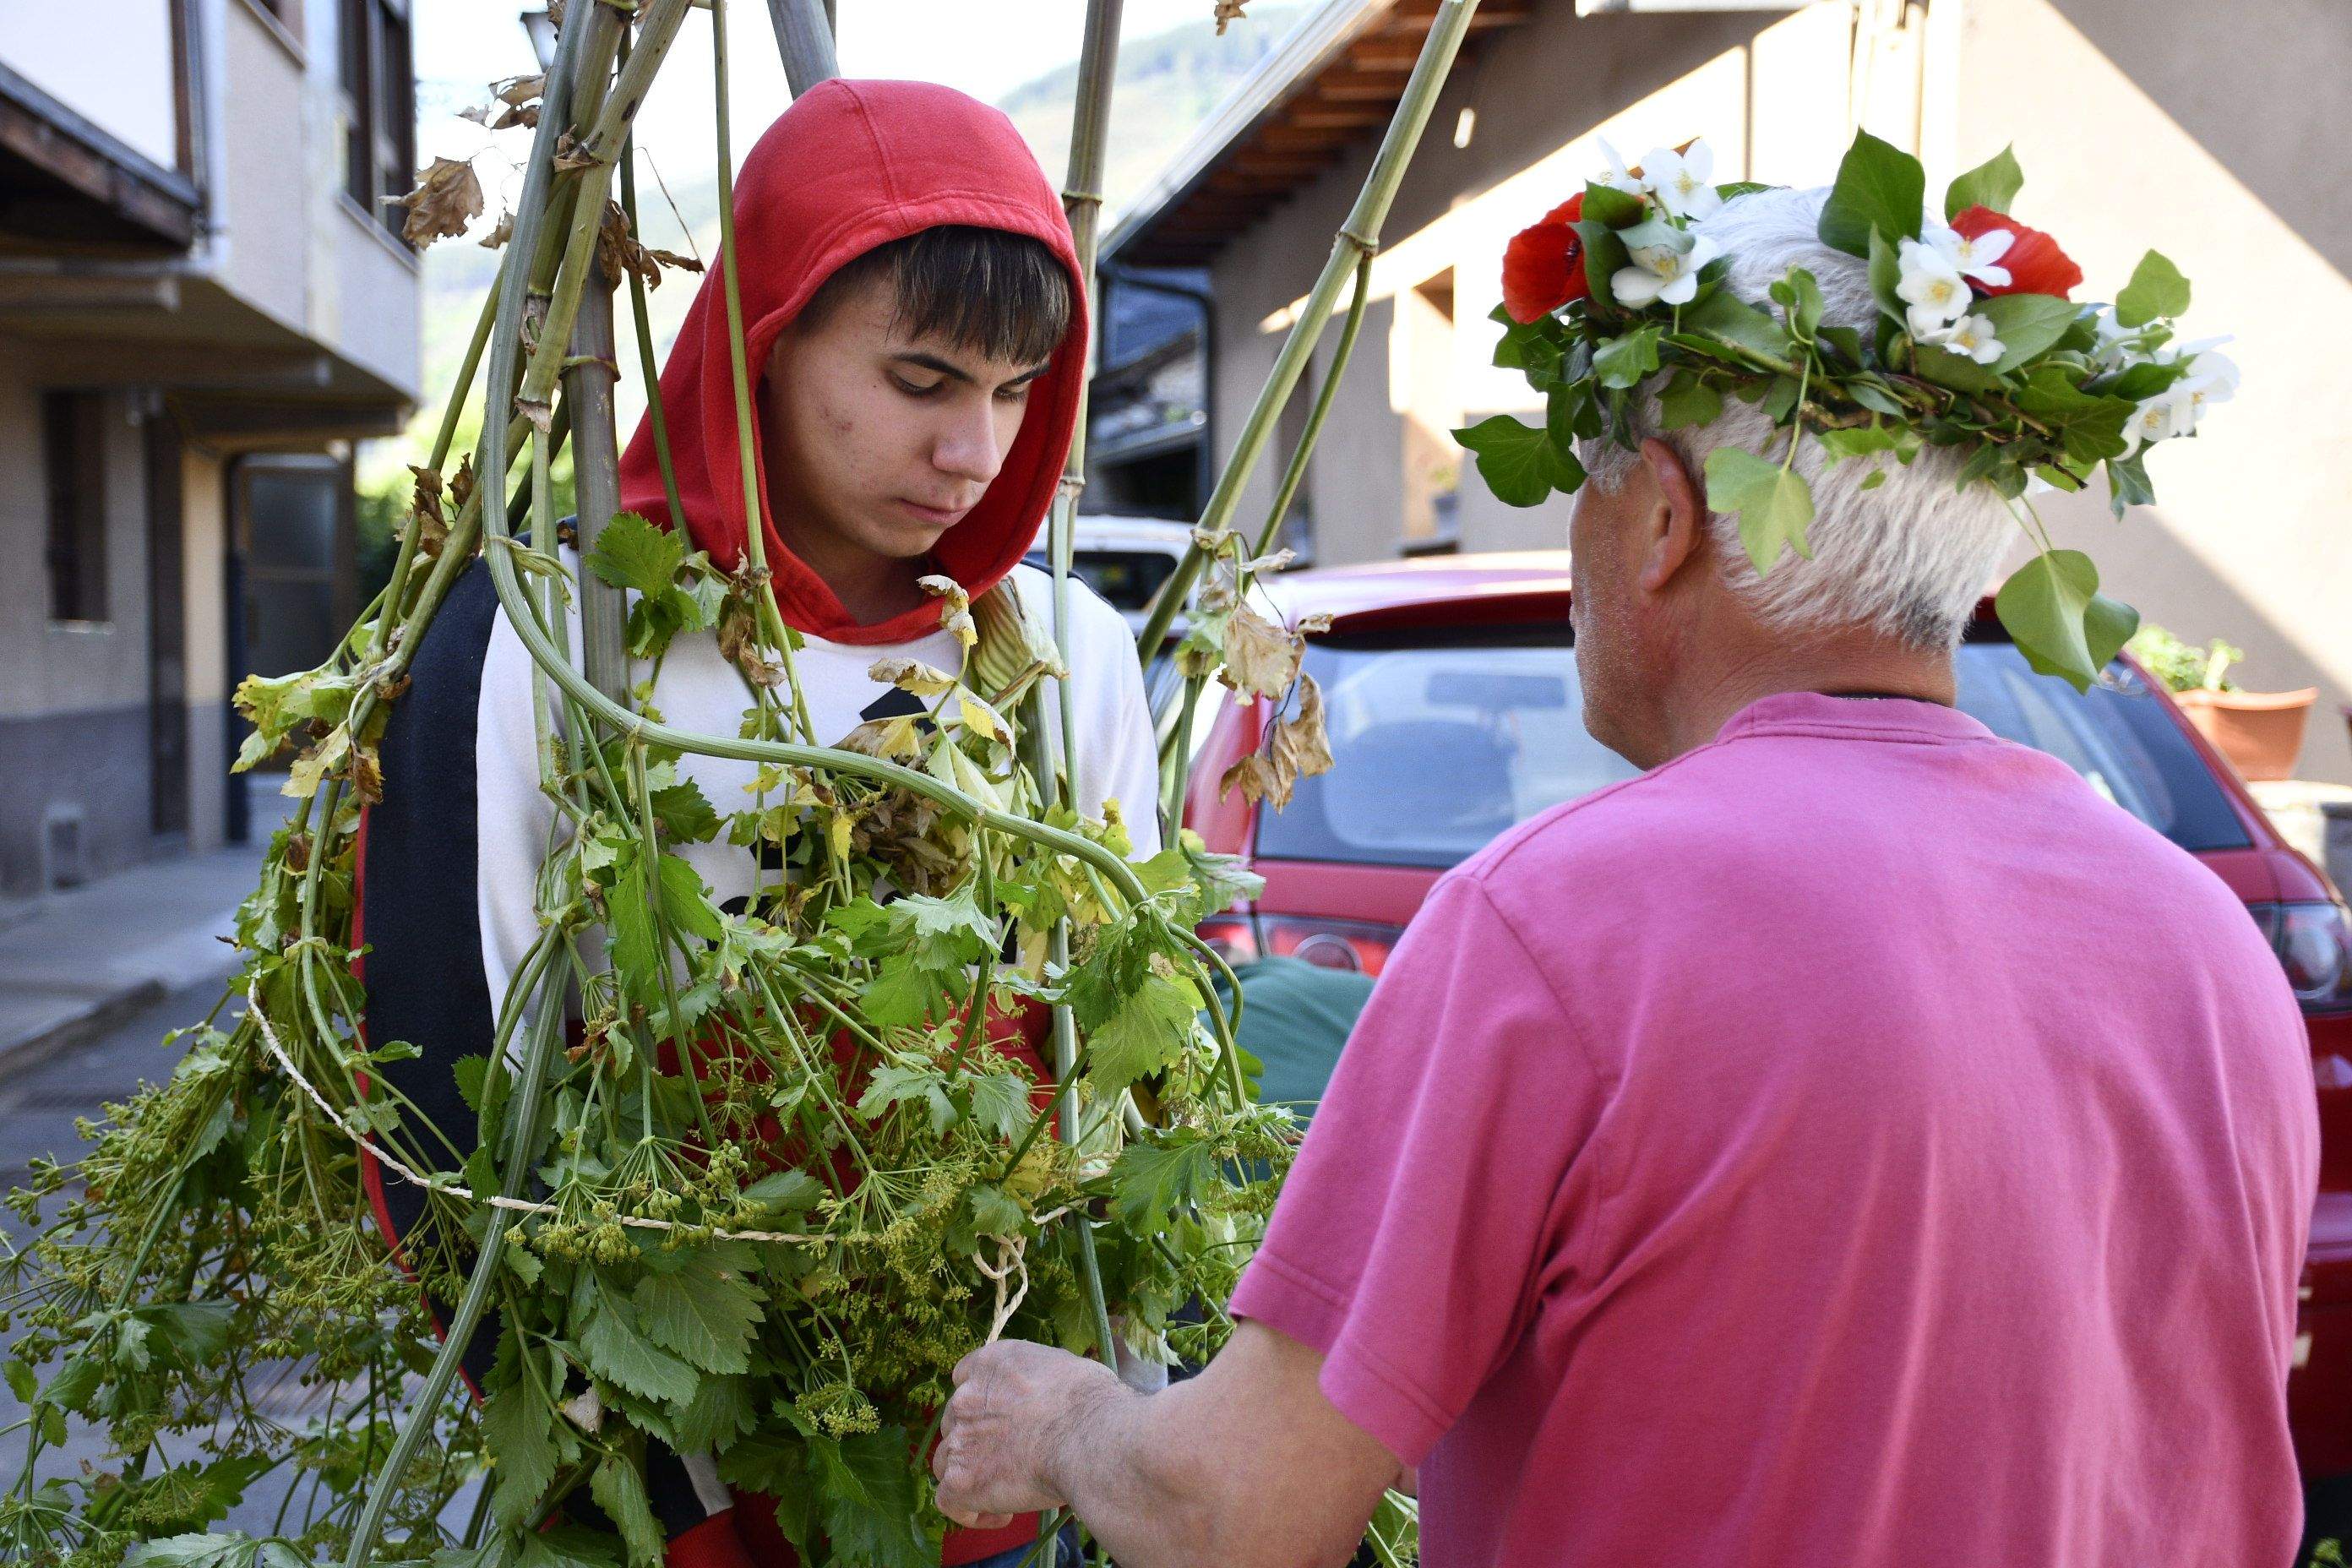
1454,712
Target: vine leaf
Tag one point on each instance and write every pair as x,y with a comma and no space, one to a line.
703,1313
1146,1034
1151,1182
620,1492
515,1432
614,1349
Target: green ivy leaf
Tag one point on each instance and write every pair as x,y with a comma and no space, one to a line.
1957,371
1885,277
1774,504
1604,257
631,552
614,1349
2059,619
2157,289
515,1428
2026,324
1992,183
620,1492
2089,426
2128,484
1624,362
1608,205
1687,401
1520,465
1727,319
704,1313
1878,186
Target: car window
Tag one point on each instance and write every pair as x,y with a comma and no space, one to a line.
1438,747
1127,579
2117,735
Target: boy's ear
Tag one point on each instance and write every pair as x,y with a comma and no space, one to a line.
1677,516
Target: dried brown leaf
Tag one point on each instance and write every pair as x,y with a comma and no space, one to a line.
539,411
461,483
1228,13
367,775
525,115
912,675
446,198
1301,745
502,231
1260,656
570,153
1260,778
516,90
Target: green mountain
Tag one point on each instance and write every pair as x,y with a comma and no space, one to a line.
1167,85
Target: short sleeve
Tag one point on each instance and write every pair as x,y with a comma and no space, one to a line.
1420,1212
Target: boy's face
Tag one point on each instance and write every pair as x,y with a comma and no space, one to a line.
878,443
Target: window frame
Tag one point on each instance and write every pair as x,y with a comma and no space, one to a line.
73,475
375,66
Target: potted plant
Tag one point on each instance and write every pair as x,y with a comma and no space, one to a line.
2260,732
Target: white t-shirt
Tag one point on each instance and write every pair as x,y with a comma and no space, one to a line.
697,689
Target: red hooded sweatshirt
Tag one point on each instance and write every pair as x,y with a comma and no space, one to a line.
849,166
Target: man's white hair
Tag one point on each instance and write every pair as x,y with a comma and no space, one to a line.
1909,559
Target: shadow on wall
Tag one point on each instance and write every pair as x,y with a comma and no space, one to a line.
2217,70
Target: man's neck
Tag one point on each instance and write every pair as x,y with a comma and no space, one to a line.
1879,667
872,587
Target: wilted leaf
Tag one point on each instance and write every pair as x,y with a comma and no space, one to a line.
367,775
514,91
446,198
500,232
912,675
1299,746
1260,656
571,154
1228,12
1260,778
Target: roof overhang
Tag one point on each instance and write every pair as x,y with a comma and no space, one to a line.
66,184
1336,79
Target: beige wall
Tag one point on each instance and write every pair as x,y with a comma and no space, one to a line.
2213,133
268,202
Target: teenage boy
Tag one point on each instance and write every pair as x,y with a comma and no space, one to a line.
915,319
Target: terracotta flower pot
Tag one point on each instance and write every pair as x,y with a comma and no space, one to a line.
2260,732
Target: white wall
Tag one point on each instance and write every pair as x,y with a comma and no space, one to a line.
124,88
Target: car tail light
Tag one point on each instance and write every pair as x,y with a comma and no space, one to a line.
1231,936
2313,943
1358,946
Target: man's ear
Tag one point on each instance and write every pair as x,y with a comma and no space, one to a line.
1673,535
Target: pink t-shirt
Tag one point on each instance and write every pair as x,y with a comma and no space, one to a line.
1853,1142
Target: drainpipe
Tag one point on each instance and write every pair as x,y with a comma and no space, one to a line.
1204,300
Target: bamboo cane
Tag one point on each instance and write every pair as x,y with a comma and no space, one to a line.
588,383
1357,239
804,38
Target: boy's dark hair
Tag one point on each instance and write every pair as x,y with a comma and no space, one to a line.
1000,294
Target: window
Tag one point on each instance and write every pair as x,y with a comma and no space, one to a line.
379,100
73,452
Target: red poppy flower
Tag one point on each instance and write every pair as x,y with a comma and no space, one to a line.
1543,267
2036,265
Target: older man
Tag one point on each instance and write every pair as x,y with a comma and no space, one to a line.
1853,1142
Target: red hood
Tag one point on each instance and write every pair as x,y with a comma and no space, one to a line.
851,165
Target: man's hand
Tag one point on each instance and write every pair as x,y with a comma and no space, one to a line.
1014,1404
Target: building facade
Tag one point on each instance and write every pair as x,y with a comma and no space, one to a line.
2206,132
204,303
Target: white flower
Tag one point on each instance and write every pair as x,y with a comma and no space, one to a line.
1973,258
1931,285
1682,181
2165,415
2118,345
2212,378
1618,178
1970,335
1663,270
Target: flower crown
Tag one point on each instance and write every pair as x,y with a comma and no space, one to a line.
1976,346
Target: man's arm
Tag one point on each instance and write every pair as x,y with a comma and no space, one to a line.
1247,1464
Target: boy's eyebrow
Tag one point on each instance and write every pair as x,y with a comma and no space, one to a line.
950,368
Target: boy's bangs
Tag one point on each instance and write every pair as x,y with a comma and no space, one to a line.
1002,295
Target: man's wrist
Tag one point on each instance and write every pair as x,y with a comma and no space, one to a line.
1077,1441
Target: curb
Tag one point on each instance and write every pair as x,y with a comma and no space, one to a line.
98,1015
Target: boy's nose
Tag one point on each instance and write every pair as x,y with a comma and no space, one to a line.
968,448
